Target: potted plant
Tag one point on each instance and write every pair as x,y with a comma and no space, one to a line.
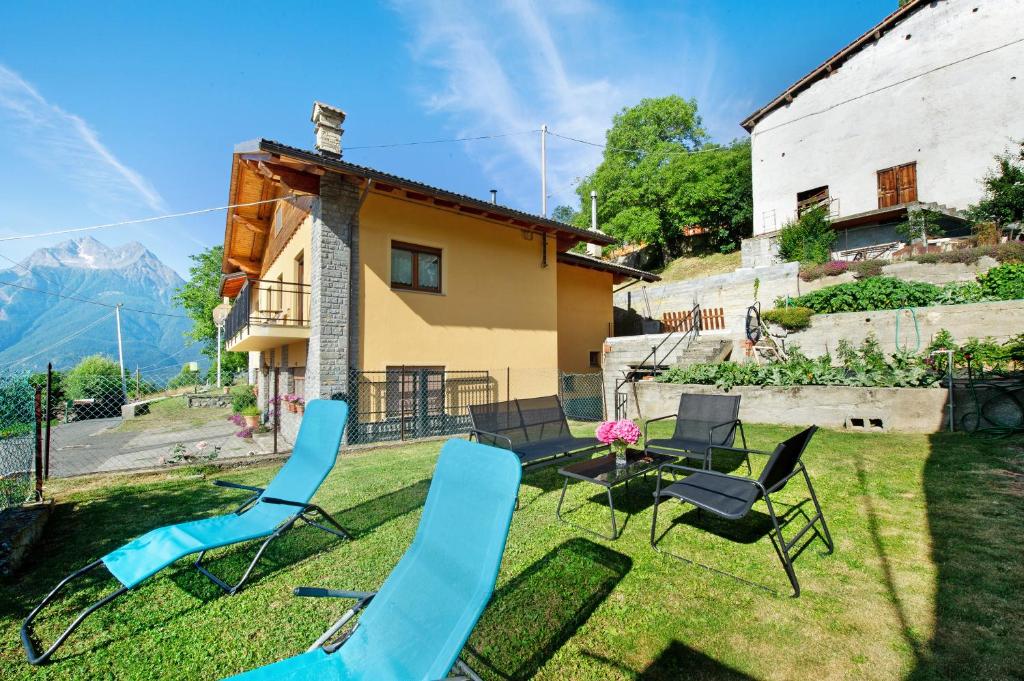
618,435
300,404
251,415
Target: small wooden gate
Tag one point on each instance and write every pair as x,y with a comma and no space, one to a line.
711,318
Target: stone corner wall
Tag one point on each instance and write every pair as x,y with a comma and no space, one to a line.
334,288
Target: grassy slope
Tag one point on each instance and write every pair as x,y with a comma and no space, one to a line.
689,267
174,413
924,583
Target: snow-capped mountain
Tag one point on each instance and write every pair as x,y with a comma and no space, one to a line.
32,322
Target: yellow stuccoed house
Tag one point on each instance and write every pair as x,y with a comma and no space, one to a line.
406,300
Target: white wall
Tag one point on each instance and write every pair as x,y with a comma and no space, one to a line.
951,122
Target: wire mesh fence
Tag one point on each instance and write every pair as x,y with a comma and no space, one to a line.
92,422
17,439
405,403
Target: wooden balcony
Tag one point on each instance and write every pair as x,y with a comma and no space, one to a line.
267,314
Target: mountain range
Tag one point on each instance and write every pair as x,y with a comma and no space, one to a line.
36,328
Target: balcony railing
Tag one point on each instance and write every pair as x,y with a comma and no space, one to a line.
268,303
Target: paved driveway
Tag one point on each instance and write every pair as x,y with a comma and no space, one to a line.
98,446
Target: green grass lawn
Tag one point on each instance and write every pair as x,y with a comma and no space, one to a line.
925,582
173,413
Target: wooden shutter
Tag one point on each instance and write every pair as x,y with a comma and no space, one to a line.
906,183
887,193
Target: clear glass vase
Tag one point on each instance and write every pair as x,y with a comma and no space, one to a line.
619,449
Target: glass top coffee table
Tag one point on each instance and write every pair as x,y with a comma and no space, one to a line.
603,471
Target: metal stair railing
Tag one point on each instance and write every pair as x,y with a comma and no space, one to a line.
631,375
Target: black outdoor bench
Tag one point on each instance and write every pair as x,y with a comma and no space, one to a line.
732,497
703,422
535,428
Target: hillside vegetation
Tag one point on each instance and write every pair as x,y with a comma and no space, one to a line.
694,267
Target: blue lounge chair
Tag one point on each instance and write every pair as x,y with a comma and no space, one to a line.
266,514
417,624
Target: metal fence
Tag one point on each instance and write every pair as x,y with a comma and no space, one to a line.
18,439
406,403
60,424
83,425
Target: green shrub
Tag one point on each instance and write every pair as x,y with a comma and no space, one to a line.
960,293
1005,282
875,293
94,377
868,268
808,239
251,410
789,318
1011,251
241,398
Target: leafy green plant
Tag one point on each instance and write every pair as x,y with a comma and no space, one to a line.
865,365
921,224
252,410
789,318
875,293
1005,282
242,397
808,239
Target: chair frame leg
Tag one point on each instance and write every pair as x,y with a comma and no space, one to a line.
779,544
33,654
231,589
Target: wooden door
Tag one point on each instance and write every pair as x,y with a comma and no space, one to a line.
887,192
906,183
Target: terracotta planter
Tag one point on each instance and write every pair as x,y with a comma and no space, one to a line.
292,407
252,421
301,408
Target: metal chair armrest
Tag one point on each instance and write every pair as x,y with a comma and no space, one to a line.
650,421
716,474
740,449
235,485
477,433
317,592
287,502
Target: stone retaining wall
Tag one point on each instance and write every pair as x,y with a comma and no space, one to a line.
901,410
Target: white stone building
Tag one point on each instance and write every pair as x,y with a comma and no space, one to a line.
912,111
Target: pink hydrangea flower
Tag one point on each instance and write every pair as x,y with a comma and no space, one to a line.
625,430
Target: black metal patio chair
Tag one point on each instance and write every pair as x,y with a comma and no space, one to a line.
732,497
703,422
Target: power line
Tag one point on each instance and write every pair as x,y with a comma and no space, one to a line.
173,354
892,85
442,141
639,151
93,302
138,221
65,339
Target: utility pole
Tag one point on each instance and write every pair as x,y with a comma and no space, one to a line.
593,249
120,351
544,170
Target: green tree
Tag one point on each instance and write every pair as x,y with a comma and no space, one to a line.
1004,191
660,175
198,296
94,377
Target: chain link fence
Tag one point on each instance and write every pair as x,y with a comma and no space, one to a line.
91,422
17,439
406,403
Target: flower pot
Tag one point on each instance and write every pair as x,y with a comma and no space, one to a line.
292,407
301,408
252,421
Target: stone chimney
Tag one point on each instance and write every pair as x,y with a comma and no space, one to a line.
327,121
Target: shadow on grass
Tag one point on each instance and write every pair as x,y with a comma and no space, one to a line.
533,616
365,517
974,493
678,661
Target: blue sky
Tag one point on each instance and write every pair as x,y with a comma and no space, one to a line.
132,110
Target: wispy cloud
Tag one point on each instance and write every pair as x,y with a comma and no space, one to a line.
66,142
512,65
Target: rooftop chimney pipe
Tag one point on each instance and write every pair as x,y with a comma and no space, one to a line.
494,196
593,249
